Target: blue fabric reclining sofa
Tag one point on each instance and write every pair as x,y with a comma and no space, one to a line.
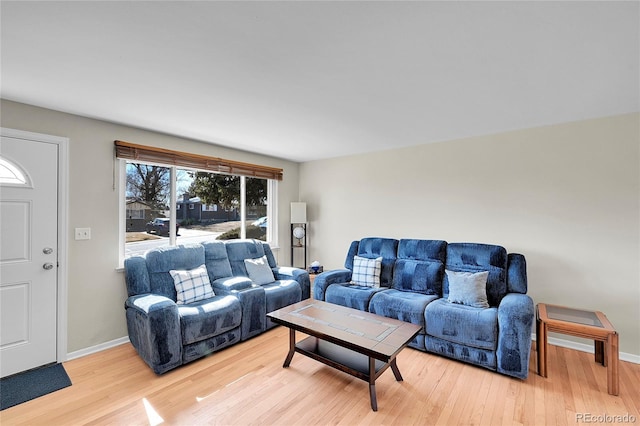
440,286
168,333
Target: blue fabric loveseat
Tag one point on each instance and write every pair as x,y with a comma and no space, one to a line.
469,298
218,304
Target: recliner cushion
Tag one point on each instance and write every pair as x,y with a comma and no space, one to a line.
216,259
282,293
163,259
239,250
415,249
351,296
419,276
401,305
462,324
386,248
475,257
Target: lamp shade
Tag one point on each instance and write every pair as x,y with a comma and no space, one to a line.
298,212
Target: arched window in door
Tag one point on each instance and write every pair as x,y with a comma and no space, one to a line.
12,174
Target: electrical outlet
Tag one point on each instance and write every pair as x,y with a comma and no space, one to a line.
83,233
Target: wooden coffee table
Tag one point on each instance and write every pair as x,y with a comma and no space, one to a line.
359,343
581,323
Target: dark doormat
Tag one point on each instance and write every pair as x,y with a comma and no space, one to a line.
31,384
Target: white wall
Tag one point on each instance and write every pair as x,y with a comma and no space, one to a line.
566,196
96,290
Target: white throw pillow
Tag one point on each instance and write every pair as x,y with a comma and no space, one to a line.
468,288
366,272
192,285
259,270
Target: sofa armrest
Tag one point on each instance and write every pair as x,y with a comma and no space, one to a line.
228,285
325,279
515,325
136,276
516,273
300,275
153,324
254,310
252,299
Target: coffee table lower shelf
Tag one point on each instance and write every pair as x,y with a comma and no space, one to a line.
358,343
346,360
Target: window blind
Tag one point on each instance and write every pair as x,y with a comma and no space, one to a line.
134,152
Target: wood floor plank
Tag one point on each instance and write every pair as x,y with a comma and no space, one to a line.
246,384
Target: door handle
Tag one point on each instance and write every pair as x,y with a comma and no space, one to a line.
47,266
47,250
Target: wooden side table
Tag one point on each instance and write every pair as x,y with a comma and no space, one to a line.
581,323
312,278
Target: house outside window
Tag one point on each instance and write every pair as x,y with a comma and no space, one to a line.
137,209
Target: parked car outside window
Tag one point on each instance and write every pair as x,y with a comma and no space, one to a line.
160,226
261,222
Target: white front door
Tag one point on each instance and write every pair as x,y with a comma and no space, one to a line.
28,254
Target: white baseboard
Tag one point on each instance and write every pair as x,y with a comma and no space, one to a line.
624,356
583,347
97,348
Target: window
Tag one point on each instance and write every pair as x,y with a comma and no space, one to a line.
10,174
153,193
209,207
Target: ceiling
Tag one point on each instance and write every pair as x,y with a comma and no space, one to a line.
311,80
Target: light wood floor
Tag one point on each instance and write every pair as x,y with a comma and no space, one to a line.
246,384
